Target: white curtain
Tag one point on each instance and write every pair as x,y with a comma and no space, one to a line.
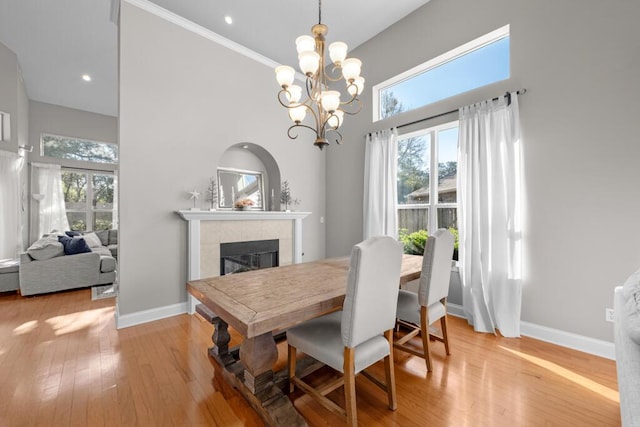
10,215
381,158
46,189
490,216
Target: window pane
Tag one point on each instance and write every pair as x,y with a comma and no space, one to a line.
448,218
477,68
103,220
79,149
102,186
74,188
413,170
447,165
413,219
77,220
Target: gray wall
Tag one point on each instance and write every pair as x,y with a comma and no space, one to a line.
579,62
9,80
183,101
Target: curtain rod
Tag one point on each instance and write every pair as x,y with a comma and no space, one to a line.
508,95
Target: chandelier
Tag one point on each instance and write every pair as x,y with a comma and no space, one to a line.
321,102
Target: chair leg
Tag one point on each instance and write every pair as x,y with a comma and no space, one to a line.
390,373
424,331
291,355
350,387
445,338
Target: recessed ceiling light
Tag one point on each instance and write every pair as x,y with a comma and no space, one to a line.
86,77
228,20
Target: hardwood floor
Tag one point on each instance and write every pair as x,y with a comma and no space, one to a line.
62,362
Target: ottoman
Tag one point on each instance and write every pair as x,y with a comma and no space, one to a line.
9,277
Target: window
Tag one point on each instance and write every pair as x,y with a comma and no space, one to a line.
89,199
427,200
478,63
62,147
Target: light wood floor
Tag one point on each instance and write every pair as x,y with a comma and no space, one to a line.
62,362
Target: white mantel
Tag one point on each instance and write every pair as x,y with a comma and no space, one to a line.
195,237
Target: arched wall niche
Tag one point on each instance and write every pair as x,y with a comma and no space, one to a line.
253,157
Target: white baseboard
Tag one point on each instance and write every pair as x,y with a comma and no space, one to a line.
589,345
145,316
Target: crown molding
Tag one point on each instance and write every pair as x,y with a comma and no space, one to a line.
201,31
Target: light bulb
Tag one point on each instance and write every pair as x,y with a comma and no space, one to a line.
305,44
357,86
330,100
285,75
338,52
351,69
336,119
309,62
297,114
293,94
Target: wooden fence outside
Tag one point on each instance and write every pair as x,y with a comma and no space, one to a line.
417,218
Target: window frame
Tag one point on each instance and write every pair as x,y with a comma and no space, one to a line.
433,205
451,55
89,210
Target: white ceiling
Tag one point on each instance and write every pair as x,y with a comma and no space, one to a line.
58,41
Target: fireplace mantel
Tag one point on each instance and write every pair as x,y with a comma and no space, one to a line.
196,238
228,215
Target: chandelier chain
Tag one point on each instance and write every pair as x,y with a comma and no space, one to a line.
319,11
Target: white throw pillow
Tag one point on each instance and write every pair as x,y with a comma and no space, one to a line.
46,248
92,239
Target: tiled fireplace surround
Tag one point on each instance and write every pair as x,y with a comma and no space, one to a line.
208,229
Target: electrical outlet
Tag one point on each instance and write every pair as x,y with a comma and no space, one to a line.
609,316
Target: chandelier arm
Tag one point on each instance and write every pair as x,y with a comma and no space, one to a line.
299,125
353,113
283,90
339,135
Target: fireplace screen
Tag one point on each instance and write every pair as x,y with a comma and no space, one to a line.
238,257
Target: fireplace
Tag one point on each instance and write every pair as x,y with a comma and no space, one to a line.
237,257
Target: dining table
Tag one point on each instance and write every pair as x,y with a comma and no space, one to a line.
261,303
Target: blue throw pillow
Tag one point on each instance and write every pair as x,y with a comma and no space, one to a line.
73,233
73,246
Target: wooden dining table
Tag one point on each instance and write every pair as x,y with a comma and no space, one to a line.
258,304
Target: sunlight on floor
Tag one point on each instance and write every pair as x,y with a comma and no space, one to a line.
74,322
603,391
25,328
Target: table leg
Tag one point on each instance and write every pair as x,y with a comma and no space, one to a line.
258,355
221,339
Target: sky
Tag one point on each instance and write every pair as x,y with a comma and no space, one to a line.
478,68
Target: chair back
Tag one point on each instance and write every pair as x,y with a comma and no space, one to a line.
369,306
436,267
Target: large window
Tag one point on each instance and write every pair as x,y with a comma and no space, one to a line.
63,147
478,63
89,199
427,181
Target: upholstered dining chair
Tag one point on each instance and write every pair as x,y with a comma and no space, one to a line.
419,311
361,333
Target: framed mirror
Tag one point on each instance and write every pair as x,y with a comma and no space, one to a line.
240,189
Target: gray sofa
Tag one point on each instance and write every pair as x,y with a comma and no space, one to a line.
627,343
44,267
